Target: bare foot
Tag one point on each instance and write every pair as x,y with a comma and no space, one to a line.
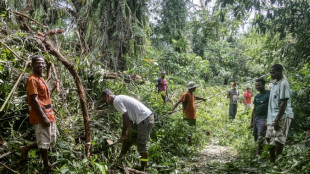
24,153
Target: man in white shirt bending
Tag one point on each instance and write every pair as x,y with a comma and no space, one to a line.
138,121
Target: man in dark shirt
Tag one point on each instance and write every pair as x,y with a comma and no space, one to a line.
161,85
259,114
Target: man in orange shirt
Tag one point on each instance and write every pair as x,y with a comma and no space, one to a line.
41,114
189,108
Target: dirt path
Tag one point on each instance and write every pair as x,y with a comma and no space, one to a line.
212,159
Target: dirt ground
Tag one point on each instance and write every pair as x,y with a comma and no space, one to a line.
211,159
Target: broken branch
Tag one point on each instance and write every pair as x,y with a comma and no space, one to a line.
13,171
13,51
25,16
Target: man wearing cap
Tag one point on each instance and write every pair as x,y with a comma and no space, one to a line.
233,95
189,108
280,113
161,85
138,121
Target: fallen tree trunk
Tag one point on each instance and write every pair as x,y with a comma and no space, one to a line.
49,47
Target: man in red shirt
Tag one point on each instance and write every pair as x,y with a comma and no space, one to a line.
247,99
189,108
41,114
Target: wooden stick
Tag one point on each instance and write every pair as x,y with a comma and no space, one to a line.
14,87
48,72
13,51
128,170
25,16
5,154
55,76
13,171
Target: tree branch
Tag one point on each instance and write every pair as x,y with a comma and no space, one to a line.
13,171
5,154
25,16
13,51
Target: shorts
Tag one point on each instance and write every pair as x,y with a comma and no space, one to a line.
143,133
280,135
259,129
45,136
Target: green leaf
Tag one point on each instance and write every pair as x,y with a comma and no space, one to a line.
101,167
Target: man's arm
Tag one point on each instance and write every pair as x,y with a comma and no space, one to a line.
127,124
37,108
244,98
252,118
229,95
176,105
282,108
200,98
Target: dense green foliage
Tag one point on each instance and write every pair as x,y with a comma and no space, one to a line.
202,41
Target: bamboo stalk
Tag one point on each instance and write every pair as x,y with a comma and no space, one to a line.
15,86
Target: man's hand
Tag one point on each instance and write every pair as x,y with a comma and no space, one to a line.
46,122
276,124
56,84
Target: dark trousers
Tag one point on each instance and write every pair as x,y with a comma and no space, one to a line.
232,111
